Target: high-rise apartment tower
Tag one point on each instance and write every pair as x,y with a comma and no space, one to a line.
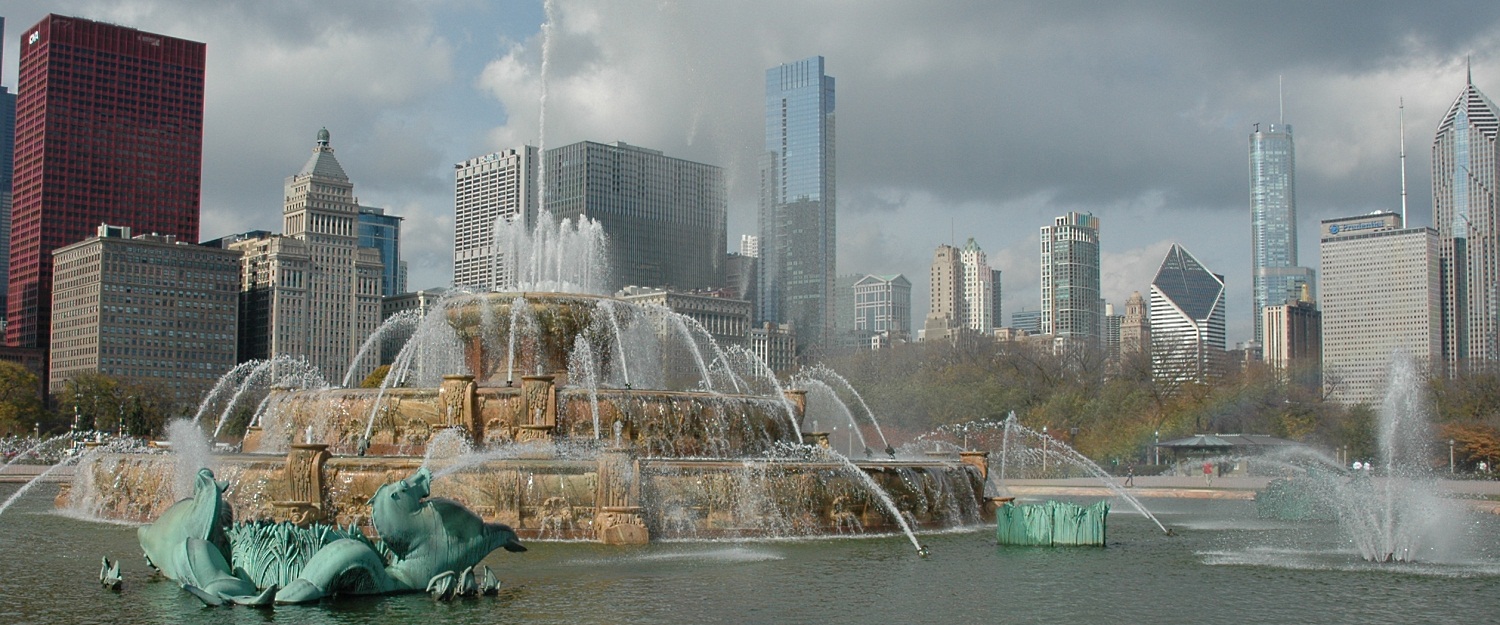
1071,305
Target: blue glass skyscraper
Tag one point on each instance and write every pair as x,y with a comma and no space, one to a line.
383,232
1273,221
797,204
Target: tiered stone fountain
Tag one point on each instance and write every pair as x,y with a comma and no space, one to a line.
568,416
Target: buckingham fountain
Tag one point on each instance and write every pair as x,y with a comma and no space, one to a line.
562,413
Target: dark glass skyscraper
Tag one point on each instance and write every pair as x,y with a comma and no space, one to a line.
797,203
383,232
1273,221
109,129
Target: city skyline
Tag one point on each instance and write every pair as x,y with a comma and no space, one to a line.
425,87
109,128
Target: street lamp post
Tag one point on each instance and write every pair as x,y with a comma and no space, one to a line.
1156,448
1450,456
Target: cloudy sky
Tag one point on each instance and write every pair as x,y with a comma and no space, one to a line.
955,119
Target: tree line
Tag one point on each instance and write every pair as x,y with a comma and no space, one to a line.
1115,411
90,401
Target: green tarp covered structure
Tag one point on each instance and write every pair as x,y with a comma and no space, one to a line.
1052,523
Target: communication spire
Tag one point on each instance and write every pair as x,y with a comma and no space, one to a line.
1402,116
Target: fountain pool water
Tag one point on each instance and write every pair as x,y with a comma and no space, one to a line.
1218,569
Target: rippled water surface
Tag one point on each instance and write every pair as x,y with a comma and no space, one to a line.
1223,566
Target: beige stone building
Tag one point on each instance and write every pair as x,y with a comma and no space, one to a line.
145,308
727,320
311,292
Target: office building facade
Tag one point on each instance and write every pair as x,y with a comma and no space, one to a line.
1381,295
7,173
1465,207
1028,321
1187,319
665,218
1293,344
980,305
383,232
726,320
1275,276
145,308
311,292
797,202
882,304
486,189
109,129
1071,304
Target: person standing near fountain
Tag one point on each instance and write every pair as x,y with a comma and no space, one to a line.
1208,473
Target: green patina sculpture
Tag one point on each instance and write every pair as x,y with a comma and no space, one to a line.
1052,523
423,542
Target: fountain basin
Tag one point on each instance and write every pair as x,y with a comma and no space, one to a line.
613,497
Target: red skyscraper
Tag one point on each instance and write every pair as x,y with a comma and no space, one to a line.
109,128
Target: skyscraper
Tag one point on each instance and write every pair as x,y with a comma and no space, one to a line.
946,278
666,218
502,185
7,172
1071,307
1380,295
1187,319
311,292
383,232
109,128
797,202
1465,209
979,289
1273,221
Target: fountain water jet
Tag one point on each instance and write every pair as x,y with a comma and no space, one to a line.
508,395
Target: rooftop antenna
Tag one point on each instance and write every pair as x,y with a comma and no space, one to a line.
1280,104
1402,116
